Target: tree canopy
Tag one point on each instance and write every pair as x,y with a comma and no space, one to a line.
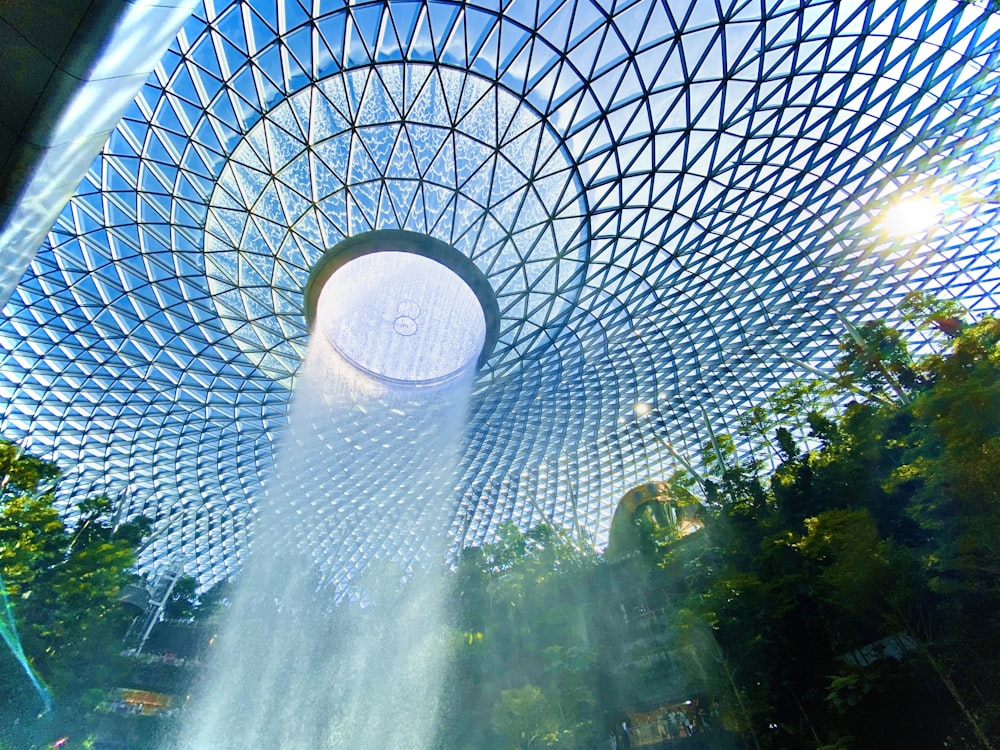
853,590
845,594
62,582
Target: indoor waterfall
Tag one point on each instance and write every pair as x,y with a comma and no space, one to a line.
362,487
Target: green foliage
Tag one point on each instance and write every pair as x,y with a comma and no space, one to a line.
848,597
852,594
63,583
183,601
526,718
523,667
876,359
22,473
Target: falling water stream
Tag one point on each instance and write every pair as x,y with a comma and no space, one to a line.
8,631
360,500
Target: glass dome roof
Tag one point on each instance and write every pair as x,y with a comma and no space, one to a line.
676,202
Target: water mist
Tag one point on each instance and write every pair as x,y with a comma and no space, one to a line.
360,501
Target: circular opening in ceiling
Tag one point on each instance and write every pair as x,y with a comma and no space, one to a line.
403,307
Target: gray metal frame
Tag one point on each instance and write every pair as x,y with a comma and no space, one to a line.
676,203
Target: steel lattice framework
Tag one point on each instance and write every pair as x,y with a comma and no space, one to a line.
675,202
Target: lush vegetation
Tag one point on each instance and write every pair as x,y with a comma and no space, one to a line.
841,593
524,660
844,596
853,592
62,584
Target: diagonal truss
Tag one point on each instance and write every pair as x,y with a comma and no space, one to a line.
674,201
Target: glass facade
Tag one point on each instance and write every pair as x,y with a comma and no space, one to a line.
678,204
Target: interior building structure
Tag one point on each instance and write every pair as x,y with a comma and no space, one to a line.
679,206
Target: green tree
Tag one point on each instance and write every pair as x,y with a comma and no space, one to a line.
184,602
63,584
526,718
522,643
845,598
852,593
